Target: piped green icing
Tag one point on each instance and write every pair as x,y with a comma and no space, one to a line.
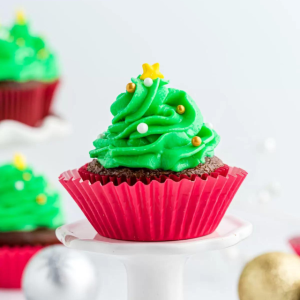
20,209
167,144
25,57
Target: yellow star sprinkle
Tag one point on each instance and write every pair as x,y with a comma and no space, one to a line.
19,162
41,199
151,71
20,16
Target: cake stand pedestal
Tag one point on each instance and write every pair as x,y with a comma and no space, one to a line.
154,269
13,132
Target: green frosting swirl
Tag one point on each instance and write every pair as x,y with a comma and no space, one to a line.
167,144
27,202
24,57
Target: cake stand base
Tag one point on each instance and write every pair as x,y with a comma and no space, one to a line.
154,269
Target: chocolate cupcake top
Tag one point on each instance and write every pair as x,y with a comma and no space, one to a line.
27,202
23,56
155,127
211,164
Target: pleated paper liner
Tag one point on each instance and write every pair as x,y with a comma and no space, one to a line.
104,179
13,261
155,211
295,243
29,104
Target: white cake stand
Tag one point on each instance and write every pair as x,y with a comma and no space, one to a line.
154,269
13,132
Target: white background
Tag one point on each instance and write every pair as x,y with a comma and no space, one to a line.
239,60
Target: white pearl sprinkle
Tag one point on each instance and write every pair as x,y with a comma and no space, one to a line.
148,82
100,136
142,128
19,185
209,125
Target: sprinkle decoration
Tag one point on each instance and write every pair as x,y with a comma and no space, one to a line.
196,141
27,176
19,185
20,42
19,162
130,87
148,82
20,16
41,199
180,109
42,54
151,72
142,128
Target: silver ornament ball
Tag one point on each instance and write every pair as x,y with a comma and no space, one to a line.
57,272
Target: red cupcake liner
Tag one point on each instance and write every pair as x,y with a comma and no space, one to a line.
295,243
13,261
27,105
156,211
49,93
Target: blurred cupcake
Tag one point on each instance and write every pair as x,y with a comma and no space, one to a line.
154,176
28,74
30,211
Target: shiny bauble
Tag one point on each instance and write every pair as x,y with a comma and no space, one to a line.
57,272
271,276
196,141
130,87
180,109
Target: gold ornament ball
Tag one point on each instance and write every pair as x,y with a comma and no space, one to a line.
274,276
196,141
41,199
20,42
27,176
180,109
42,54
130,87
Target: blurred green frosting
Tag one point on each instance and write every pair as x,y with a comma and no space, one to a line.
27,202
25,57
167,144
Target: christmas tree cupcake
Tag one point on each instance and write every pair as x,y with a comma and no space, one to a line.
30,211
154,176
28,74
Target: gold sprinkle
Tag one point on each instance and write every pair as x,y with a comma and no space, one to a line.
27,176
42,54
196,141
180,109
130,87
41,199
20,42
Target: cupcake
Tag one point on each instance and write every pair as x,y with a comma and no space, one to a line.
154,175
28,74
30,211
